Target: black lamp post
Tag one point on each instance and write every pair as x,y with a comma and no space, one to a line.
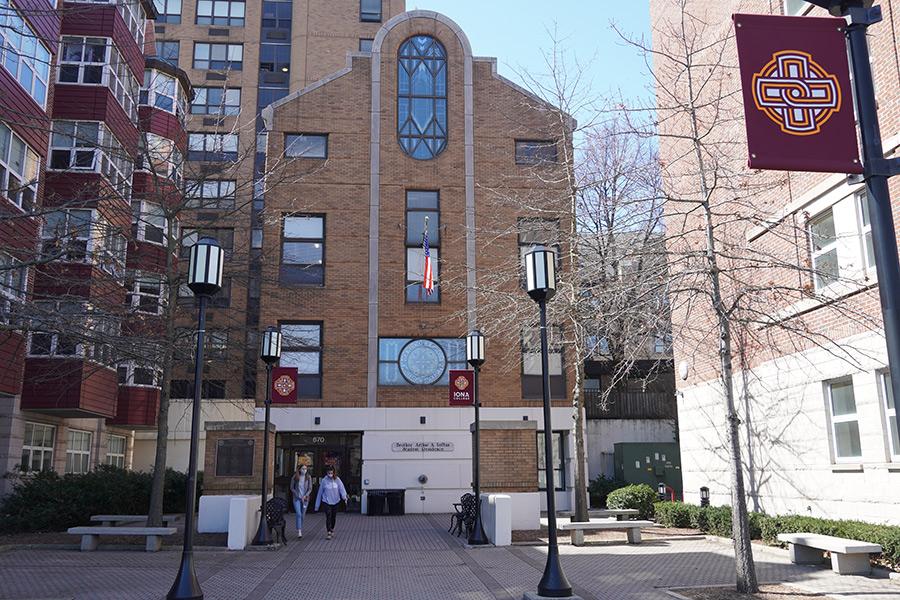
269,352
540,283
475,357
205,280
661,490
704,496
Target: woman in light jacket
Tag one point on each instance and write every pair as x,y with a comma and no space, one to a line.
301,488
331,492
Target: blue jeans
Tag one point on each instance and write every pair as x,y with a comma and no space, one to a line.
299,511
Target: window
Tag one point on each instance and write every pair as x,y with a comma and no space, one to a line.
275,58
865,231
225,237
109,247
365,44
115,451
97,61
421,208
169,11
844,421
168,51
211,193
559,461
148,222
422,97
160,90
370,11
887,394
133,15
276,15
532,381
90,146
133,374
214,147
215,344
211,389
161,157
66,235
220,12
823,241
662,343
303,250
796,7
13,287
78,451
19,166
218,56
37,447
145,294
419,361
22,54
535,152
182,388
301,347
306,145
216,101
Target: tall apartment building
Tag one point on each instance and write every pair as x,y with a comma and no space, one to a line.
817,419
75,123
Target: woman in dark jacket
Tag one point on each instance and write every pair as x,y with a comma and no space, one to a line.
301,488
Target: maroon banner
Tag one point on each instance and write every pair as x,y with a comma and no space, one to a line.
284,385
462,388
798,103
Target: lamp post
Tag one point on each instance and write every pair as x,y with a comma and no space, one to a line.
661,490
204,280
269,352
540,283
704,496
475,357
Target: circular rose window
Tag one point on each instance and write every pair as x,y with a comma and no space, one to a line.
422,362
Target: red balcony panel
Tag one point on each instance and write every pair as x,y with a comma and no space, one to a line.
145,256
95,103
42,18
22,114
69,387
104,21
144,326
18,232
156,189
163,123
137,407
12,359
79,280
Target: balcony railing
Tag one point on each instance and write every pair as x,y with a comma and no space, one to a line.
631,405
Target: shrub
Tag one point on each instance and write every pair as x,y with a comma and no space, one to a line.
715,520
48,501
640,496
600,487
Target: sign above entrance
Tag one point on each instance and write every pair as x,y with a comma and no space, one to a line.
798,106
284,385
461,388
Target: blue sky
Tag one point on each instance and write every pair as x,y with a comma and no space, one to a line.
517,33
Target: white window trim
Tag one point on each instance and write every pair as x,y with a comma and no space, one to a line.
202,201
28,447
834,420
115,455
143,221
31,158
110,158
31,61
831,247
130,366
154,88
869,272
13,285
886,414
230,49
213,143
134,295
803,10
69,450
116,74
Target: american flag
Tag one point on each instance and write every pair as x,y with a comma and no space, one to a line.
428,275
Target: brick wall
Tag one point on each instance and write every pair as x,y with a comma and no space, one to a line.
509,456
223,430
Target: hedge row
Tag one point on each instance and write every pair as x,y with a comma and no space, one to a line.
48,501
640,497
716,520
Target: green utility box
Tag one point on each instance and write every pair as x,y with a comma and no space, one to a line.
650,463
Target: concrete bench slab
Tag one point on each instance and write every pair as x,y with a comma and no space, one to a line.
604,513
848,557
112,520
90,536
632,528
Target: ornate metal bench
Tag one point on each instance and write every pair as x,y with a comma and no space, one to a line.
275,510
464,518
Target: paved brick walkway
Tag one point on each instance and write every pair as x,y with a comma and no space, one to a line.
405,558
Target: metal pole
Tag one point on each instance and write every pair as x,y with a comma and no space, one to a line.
186,586
263,538
884,239
553,583
477,537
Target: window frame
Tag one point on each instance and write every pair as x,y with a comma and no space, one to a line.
46,452
367,14
402,342
834,420
560,445
115,74
24,195
109,156
288,144
13,286
864,230
801,10
163,14
204,202
417,139
149,216
217,20
214,146
885,396
84,456
815,254
217,65
130,367
134,294
283,267
535,159
306,349
14,29
116,459
227,110
161,45
434,250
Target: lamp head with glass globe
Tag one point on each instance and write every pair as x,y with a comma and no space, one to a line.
206,265
540,273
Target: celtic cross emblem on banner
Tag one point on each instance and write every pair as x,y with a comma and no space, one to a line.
796,92
284,385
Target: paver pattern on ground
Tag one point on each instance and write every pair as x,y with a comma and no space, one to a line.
409,557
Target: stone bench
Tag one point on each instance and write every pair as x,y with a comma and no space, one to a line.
90,536
113,520
848,557
621,514
631,528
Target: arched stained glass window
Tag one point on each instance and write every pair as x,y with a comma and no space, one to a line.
422,97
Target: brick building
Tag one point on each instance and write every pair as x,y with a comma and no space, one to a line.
818,427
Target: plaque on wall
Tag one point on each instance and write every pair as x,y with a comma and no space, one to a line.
234,458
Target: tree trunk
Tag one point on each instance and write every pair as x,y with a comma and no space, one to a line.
157,487
581,495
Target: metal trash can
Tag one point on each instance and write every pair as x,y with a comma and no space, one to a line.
375,500
395,501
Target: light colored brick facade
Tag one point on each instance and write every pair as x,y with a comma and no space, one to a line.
792,443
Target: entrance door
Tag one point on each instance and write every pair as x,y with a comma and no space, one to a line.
340,450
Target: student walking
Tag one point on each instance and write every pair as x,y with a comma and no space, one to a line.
331,492
301,488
